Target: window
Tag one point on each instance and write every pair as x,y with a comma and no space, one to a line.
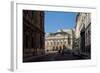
51,43
25,12
61,42
26,43
32,43
57,43
34,17
69,40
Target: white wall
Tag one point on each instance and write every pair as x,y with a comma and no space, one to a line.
5,36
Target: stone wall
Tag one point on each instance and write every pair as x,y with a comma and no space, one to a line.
33,33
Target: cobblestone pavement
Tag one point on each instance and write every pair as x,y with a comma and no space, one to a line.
54,57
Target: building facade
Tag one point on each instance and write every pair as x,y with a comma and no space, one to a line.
83,32
33,33
63,39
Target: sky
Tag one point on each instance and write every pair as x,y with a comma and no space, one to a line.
59,20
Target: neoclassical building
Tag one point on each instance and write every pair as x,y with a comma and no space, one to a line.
33,33
83,32
62,39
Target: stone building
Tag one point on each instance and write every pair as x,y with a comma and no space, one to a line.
83,33
62,39
33,33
